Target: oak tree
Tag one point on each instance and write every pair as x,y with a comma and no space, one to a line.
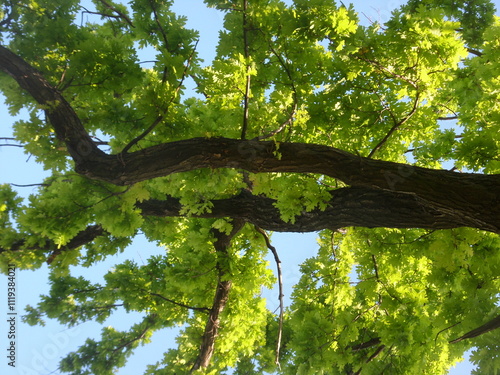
382,138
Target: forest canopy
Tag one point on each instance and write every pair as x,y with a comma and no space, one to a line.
381,138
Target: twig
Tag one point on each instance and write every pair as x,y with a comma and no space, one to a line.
8,144
388,71
28,185
160,117
396,126
376,267
289,120
160,27
280,286
120,14
204,309
248,79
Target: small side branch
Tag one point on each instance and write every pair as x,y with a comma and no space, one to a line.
281,294
376,353
396,126
246,100
141,136
289,120
475,52
120,14
161,116
203,309
151,319
7,139
445,329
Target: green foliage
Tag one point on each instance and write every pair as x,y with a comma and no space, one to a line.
370,301
475,16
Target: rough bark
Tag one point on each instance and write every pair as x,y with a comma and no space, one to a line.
352,206
220,299
468,199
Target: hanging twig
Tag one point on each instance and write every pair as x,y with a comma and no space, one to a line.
280,286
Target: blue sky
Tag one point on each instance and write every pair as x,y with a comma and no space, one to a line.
40,348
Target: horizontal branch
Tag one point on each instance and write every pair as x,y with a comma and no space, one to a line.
466,194
85,236
348,207
472,198
204,309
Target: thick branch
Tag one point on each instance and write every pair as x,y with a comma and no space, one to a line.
220,299
473,198
63,118
354,206
487,327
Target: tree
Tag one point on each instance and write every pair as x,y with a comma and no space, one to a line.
305,121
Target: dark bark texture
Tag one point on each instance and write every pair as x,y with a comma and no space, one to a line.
381,193
221,297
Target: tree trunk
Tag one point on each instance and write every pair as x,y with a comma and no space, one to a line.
220,299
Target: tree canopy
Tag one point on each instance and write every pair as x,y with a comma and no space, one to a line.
382,138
